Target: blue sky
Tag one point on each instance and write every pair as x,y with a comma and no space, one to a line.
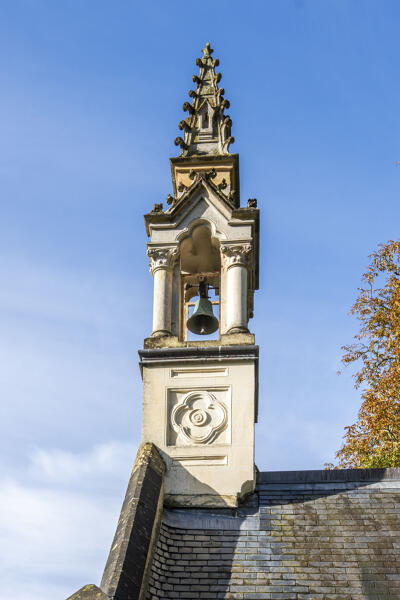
91,95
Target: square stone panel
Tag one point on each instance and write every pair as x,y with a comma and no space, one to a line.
198,417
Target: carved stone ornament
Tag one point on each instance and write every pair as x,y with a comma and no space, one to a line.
158,208
161,258
199,418
237,254
207,130
223,185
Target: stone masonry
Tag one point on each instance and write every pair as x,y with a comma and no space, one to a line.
304,537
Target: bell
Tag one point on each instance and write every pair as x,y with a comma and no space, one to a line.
202,320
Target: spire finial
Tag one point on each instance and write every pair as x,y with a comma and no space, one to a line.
207,50
207,130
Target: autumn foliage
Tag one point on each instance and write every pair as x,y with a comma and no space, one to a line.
374,440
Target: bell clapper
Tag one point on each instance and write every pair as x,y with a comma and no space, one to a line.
203,289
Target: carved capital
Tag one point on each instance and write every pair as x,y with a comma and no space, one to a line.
236,254
161,258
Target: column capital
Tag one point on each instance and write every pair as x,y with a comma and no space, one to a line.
162,258
236,254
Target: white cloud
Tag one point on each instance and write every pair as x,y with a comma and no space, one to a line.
56,528
26,590
63,468
67,381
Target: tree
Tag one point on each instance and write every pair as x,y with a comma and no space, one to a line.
374,440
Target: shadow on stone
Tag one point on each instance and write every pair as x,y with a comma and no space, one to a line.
196,493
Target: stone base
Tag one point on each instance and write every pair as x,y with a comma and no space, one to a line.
160,333
237,331
199,409
166,340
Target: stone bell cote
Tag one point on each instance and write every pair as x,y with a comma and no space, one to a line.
203,246
204,234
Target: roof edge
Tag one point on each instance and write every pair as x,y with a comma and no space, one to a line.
331,475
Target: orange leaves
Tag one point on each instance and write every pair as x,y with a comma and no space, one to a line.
374,440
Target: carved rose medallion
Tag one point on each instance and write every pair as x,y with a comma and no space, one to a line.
199,418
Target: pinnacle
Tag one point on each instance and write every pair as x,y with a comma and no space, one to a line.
207,130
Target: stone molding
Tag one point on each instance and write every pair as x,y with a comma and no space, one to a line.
162,258
236,254
198,353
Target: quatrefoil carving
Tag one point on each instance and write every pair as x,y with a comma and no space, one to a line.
199,418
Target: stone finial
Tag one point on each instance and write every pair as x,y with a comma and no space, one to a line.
207,50
207,131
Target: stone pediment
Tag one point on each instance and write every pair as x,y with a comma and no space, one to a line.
202,185
202,181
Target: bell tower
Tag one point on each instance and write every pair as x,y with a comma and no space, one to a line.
200,363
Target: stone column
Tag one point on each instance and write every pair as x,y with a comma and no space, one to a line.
235,303
161,267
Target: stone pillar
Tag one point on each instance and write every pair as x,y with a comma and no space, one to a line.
161,266
235,302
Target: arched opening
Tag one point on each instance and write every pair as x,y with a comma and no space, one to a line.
200,267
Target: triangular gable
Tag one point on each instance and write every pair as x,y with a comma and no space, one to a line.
202,184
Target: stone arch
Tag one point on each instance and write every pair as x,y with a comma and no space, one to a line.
200,248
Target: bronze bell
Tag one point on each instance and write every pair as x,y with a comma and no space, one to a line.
202,321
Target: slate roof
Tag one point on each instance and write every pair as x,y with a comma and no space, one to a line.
304,535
